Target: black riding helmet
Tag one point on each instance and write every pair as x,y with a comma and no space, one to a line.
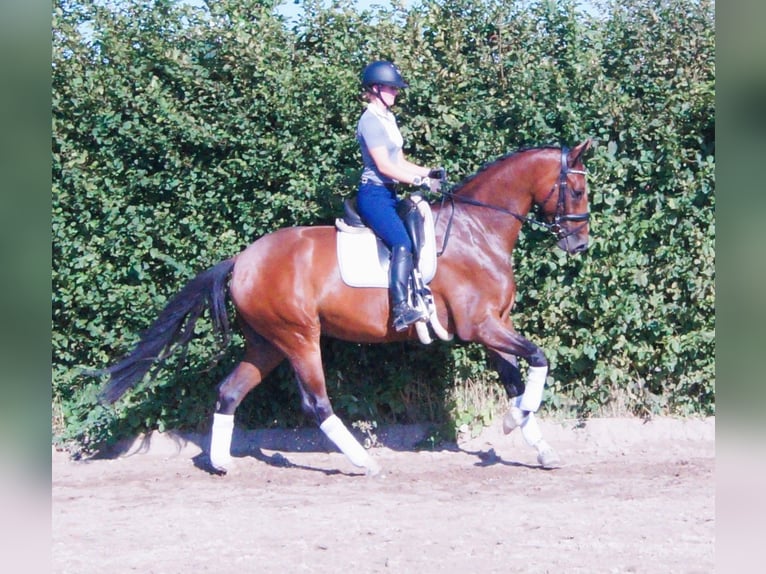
382,73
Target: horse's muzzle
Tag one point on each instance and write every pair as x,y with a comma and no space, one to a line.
572,240
573,244
580,248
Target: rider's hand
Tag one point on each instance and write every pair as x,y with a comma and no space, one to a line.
438,173
432,185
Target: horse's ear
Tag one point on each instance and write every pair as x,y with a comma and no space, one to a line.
576,153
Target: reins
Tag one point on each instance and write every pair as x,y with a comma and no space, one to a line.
554,227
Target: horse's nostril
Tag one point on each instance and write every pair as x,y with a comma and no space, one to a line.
581,248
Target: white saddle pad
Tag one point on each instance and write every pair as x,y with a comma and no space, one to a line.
364,259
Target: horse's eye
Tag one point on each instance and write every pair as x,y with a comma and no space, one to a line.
577,193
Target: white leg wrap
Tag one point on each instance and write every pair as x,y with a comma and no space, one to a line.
546,456
220,441
337,432
533,436
530,430
533,392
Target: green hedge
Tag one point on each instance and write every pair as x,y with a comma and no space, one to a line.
181,134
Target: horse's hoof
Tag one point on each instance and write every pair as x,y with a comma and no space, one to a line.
549,458
512,419
222,467
373,469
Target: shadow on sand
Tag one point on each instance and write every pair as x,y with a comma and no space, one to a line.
282,442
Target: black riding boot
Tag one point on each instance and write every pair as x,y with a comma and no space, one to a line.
401,267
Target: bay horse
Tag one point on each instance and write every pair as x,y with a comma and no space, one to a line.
287,291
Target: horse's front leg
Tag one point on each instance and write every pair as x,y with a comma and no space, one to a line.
505,345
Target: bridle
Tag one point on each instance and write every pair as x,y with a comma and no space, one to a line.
560,216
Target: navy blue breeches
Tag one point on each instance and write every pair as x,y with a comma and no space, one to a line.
377,207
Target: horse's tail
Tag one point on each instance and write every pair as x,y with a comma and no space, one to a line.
174,327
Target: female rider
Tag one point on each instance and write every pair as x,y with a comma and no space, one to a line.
384,167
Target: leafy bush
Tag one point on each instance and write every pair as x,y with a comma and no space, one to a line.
181,134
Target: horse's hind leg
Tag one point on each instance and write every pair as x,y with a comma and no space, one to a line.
311,382
260,359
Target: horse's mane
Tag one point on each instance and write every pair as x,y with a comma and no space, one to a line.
496,161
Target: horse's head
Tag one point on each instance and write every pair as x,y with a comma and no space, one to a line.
564,206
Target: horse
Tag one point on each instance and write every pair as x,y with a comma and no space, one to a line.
287,291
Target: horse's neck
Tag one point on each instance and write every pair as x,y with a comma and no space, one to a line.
504,185
500,197
507,203
492,230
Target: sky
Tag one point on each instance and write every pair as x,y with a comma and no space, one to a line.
291,8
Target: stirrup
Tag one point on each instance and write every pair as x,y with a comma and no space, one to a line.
404,316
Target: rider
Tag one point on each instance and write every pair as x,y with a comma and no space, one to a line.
384,167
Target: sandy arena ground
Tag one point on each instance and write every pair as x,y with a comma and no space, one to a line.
632,497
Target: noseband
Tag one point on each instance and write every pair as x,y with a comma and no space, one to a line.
559,217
